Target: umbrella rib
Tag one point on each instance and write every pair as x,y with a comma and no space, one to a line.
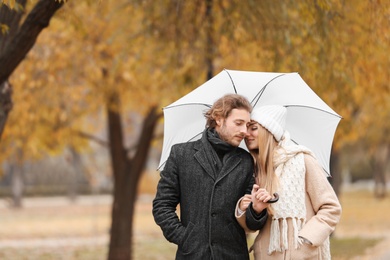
189,104
258,95
189,140
235,90
336,115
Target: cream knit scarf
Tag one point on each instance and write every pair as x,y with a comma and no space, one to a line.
290,170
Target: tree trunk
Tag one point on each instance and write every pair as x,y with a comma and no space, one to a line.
18,42
126,173
11,18
379,164
335,170
379,178
76,168
5,104
17,185
16,170
210,44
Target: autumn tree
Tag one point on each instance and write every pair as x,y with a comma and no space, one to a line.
366,41
111,78
16,40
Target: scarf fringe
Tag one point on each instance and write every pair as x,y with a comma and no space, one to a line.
284,234
325,250
274,244
279,236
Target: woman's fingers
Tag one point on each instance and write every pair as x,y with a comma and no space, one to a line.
246,200
263,195
255,188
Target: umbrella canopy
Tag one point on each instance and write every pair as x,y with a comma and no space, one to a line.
310,121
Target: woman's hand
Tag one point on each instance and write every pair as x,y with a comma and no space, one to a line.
259,198
245,201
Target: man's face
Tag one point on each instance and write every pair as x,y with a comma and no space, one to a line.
233,128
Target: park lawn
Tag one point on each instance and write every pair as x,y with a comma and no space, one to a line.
363,225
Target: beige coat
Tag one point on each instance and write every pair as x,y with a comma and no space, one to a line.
323,212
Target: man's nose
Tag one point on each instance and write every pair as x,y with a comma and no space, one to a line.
244,131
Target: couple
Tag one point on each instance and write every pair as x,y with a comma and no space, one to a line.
223,194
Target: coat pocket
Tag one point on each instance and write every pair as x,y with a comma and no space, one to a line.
189,243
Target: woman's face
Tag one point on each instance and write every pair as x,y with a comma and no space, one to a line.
251,139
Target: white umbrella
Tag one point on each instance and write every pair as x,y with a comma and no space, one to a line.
310,121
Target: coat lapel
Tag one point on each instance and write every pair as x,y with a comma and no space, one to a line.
227,167
201,156
231,161
229,164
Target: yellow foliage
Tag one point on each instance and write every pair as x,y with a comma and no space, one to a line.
12,4
9,3
4,29
152,53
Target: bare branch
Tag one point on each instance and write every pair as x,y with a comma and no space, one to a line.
93,138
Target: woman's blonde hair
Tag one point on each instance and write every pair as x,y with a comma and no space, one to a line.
264,158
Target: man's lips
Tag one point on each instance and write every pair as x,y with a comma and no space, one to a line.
240,137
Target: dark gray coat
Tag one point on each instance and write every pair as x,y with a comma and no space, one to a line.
207,228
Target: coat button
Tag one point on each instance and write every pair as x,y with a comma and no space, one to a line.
213,215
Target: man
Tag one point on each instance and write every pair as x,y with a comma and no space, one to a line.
207,177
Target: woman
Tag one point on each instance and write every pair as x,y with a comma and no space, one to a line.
300,223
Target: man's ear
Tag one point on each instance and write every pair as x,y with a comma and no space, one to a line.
219,121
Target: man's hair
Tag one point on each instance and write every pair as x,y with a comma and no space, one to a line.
223,106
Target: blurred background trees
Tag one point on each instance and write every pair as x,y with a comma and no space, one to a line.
87,98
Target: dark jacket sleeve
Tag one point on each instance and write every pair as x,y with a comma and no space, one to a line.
255,221
166,200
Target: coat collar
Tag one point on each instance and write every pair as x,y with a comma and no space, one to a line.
230,162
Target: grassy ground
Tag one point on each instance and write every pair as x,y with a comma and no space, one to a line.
57,229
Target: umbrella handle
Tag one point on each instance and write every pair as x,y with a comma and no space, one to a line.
275,199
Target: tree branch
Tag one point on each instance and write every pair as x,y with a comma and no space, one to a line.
93,138
17,48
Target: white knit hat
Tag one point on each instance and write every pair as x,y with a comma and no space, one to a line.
272,117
